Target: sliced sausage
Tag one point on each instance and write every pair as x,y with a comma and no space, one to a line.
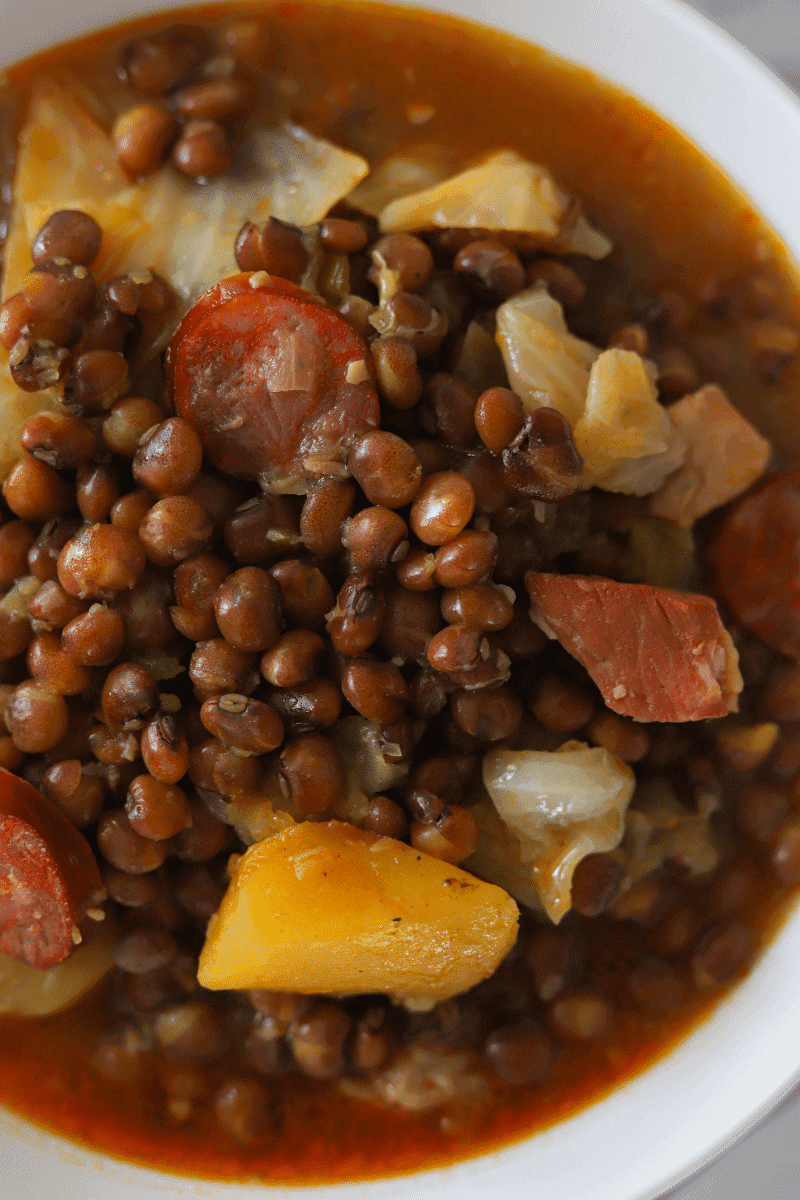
50,885
277,385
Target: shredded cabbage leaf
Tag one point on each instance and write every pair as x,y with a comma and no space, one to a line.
561,805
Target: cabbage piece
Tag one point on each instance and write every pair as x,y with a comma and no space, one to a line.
545,363
561,805
498,857
504,193
400,175
626,439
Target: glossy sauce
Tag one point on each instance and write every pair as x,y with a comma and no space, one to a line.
354,75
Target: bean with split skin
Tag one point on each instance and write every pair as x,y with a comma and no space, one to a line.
164,748
59,439
216,667
127,422
215,767
308,706
491,268
355,622
48,663
156,810
396,371
452,837
52,607
129,692
53,537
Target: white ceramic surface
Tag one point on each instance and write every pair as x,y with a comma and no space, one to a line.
657,1129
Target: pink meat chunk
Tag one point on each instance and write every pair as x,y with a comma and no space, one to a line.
655,654
724,456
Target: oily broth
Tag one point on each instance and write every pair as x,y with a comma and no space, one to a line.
676,224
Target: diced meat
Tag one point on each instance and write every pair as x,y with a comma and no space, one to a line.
655,654
758,562
49,881
724,456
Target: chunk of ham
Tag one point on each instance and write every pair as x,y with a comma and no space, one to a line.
724,456
655,654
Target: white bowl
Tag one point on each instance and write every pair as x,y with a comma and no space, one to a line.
668,1122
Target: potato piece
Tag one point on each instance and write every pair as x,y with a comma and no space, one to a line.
328,908
26,991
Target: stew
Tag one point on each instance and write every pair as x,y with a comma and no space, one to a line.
399,632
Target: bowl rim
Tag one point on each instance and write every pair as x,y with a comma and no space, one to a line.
719,1117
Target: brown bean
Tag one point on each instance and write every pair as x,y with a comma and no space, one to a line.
317,1040
541,463
785,855
216,667
375,537
52,607
414,318
625,738
386,467
376,690
156,810
158,62
760,809
79,796
124,848
520,1053
127,422
129,692
142,137
340,236
144,949
34,491
406,256
203,839
721,952
36,716
48,663
386,818
53,537
274,247
174,529
306,595
452,837
16,539
441,508
100,562
129,510
582,1018
657,987
203,150
562,282
448,410
491,268
327,506
164,748
58,439
70,234
99,378
217,768
488,715
308,706
247,607
242,1110
596,884
95,638
312,775
483,605
499,417
410,620
355,622
168,458
560,705
396,372
248,725
192,1032
294,659
227,99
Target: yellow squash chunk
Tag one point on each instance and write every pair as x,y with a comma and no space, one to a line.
328,908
